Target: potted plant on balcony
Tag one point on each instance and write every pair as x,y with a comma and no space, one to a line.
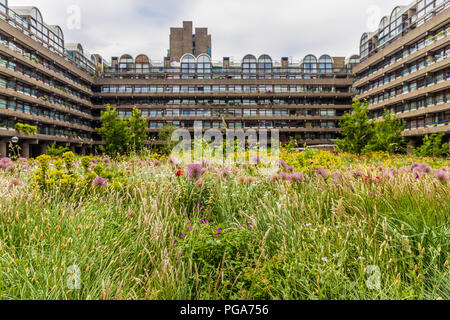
25,128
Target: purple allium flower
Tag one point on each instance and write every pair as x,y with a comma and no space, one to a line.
297,177
15,183
216,235
358,174
225,173
427,169
183,236
100,182
199,184
290,169
11,168
274,178
194,171
441,176
250,224
284,176
282,164
175,242
219,230
322,172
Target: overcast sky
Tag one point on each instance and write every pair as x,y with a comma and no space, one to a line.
291,28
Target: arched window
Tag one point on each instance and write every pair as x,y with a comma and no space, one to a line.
265,64
310,64
396,22
126,63
60,35
204,64
364,46
249,64
188,64
142,64
80,49
37,17
325,64
383,31
354,59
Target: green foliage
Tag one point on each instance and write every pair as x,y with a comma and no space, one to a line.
165,137
86,163
291,145
221,253
145,236
25,128
54,151
387,135
120,135
433,146
361,135
138,131
357,130
69,159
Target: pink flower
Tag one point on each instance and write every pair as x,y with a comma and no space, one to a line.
100,182
325,259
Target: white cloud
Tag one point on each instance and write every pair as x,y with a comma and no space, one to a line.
291,28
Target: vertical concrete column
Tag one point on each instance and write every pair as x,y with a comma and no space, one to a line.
3,149
43,147
83,150
26,150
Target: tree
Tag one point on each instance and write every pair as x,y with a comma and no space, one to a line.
138,131
165,136
387,135
114,132
433,146
120,135
357,130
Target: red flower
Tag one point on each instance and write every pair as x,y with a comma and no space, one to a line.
378,178
367,178
179,173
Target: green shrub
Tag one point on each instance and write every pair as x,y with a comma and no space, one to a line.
433,146
55,151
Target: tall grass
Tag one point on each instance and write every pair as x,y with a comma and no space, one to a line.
277,240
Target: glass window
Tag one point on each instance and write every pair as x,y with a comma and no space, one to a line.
249,64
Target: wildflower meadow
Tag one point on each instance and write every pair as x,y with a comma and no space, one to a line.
321,225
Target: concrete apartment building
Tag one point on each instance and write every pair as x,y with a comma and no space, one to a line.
404,67
61,89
